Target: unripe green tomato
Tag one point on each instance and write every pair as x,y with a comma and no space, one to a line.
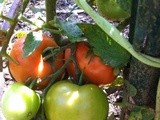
111,10
67,101
20,102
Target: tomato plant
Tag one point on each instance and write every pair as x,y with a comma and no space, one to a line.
20,102
67,101
95,71
109,46
110,9
33,66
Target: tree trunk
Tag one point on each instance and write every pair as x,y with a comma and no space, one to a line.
145,37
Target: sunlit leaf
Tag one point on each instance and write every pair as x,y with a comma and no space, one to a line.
32,41
71,30
119,81
106,48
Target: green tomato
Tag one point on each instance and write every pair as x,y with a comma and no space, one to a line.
67,101
111,10
20,102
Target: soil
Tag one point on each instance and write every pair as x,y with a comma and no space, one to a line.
66,10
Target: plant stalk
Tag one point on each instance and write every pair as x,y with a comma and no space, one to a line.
50,9
157,109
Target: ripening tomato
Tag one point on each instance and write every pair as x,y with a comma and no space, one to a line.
20,102
68,101
95,71
33,66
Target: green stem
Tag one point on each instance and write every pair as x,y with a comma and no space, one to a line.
114,33
25,3
157,109
50,9
6,42
10,20
55,76
54,31
11,31
55,51
26,20
1,64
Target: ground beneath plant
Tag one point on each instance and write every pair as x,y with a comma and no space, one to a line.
66,10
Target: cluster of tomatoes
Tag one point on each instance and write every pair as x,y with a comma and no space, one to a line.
64,100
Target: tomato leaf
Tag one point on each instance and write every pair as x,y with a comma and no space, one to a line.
141,113
32,41
107,49
71,30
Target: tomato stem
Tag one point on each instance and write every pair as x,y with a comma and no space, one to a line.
54,51
10,20
80,82
50,9
5,54
157,109
11,30
54,76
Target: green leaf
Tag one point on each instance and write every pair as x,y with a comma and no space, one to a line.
131,90
71,30
135,114
141,113
148,114
119,81
32,41
107,49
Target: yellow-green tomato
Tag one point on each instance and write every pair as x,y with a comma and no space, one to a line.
67,101
20,102
111,10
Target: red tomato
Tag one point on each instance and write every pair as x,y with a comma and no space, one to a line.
95,71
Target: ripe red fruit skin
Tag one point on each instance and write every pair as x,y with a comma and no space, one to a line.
95,71
33,66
